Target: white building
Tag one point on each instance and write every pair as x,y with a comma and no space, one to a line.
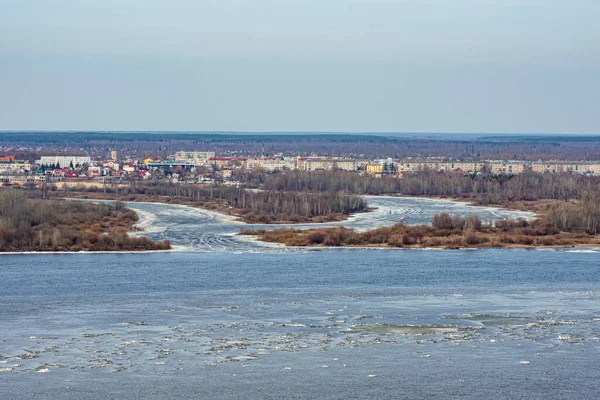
271,164
64,161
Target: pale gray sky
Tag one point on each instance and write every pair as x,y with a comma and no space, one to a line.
301,65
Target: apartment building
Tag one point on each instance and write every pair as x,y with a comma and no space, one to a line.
64,161
374,169
407,166
346,165
228,162
329,164
14,165
195,157
271,164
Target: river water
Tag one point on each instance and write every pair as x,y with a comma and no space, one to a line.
225,317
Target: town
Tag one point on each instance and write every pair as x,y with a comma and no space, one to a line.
205,167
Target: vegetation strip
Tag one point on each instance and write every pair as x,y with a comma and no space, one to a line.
265,207
28,224
446,232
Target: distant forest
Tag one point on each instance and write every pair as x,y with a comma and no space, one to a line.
139,144
486,188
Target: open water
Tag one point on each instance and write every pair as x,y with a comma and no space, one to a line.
226,317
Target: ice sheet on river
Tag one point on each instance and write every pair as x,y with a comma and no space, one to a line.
209,330
333,324
192,229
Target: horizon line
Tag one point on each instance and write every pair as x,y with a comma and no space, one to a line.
234,132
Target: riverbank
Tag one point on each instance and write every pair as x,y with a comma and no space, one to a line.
41,225
450,233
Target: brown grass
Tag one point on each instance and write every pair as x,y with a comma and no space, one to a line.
518,233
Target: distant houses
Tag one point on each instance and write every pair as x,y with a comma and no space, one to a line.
205,167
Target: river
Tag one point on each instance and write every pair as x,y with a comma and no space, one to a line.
224,317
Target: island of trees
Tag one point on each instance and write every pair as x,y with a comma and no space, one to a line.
30,224
447,232
568,214
250,205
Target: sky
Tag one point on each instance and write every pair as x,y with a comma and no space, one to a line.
514,66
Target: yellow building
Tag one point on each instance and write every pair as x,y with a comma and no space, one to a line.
374,169
6,166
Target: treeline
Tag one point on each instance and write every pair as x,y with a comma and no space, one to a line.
514,147
445,232
486,188
582,216
254,206
298,196
28,224
579,212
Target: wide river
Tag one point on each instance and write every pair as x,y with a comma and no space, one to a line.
223,316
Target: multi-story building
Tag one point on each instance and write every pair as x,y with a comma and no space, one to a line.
64,161
195,157
346,165
374,169
316,164
500,167
508,167
271,164
407,166
466,166
14,165
328,164
229,162
576,167
590,168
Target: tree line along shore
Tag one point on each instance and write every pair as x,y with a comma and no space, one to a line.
567,211
568,203
34,224
446,232
250,203
323,196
